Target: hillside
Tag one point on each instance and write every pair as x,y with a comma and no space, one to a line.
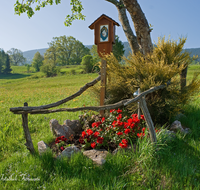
30,54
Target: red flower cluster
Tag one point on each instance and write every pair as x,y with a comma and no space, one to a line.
59,139
124,143
90,136
116,128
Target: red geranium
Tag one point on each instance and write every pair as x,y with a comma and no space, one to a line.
103,119
140,134
123,145
100,140
124,141
93,145
112,110
119,111
62,148
81,140
127,131
96,134
119,133
84,134
89,132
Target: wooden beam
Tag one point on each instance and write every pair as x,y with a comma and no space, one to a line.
29,143
84,88
148,119
103,84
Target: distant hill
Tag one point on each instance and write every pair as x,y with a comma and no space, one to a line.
30,54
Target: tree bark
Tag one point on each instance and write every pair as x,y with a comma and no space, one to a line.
140,24
132,39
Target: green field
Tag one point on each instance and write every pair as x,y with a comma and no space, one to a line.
176,165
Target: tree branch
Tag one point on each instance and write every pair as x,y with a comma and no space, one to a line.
84,88
125,102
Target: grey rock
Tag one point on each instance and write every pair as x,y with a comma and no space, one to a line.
98,156
69,151
75,125
42,147
176,126
60,130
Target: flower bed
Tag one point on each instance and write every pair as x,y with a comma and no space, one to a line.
116,130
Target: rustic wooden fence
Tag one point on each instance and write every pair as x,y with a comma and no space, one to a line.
44,109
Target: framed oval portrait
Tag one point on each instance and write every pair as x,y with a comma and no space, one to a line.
104,33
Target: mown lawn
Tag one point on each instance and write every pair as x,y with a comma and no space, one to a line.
172,165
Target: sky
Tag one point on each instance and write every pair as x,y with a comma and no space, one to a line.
174,18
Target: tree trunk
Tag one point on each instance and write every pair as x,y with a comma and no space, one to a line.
132,40
141,25
183,76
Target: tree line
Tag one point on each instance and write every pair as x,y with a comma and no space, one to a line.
64,51
4,62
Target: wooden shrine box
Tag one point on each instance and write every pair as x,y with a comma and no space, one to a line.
104,34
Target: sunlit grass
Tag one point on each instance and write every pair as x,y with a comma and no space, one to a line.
170,165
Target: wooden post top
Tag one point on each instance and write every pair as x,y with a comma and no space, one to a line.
104,34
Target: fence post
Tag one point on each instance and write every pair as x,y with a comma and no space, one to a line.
29,143
138,104
103,85
148,119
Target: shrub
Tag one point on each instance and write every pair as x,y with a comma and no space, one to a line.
164,64
87,62
49,69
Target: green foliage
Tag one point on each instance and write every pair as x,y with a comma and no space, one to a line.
16,57
118,48
7,69
49,68
88,63
164,64
27,7
170,165
37,61
66,51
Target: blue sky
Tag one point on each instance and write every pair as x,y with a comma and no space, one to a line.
177,18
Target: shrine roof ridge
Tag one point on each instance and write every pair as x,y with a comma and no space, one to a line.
103,16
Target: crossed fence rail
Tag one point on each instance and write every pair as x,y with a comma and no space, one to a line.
44,109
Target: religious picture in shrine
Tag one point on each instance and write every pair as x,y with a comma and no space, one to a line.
104,33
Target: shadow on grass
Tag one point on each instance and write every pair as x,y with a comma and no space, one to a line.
14,76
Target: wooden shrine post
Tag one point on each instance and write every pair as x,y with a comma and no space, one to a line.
104,34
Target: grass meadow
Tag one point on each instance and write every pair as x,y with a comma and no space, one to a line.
171,165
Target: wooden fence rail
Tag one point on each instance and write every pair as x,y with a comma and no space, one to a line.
44,110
